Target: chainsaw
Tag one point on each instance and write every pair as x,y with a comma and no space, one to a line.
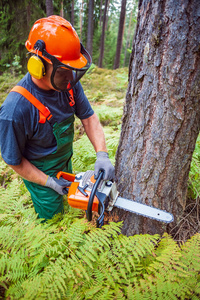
98,195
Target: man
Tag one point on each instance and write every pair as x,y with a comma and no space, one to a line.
36,119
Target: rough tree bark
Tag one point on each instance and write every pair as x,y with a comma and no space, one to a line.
161,119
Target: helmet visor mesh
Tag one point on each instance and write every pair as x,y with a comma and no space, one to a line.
63,74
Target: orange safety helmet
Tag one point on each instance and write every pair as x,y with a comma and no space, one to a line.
56,41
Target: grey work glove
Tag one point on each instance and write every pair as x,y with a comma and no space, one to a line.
59,185
103,163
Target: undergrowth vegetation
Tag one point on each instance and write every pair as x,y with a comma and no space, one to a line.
69,258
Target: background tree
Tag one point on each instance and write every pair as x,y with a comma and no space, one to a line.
120,34
161,118
100,64
49,7
131,15
69,11
90,26
61,9
72,13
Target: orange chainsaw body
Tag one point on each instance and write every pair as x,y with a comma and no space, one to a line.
76,198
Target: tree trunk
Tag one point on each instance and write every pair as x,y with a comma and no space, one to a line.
101,13
103,36
28,13
161,118
49,8
120,34
80,19
61,9
72,14
107,16
90,26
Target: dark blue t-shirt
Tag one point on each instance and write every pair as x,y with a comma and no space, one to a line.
21,134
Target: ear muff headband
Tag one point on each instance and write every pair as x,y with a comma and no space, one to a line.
36,67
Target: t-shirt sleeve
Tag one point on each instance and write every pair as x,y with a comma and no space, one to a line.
83,107
12,139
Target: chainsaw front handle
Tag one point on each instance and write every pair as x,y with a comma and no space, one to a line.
93,192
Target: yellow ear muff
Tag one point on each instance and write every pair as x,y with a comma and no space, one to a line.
36,67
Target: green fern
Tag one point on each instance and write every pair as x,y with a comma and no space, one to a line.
109,115
68,258
84,155
194,175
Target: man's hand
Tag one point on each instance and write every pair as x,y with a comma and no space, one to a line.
58,185
103,163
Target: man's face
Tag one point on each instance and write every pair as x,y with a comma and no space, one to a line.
61,78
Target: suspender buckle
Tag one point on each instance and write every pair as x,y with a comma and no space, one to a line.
71,100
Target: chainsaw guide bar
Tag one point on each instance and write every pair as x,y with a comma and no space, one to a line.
144,210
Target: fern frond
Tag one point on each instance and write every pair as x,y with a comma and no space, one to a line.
68,258
166,276
75,233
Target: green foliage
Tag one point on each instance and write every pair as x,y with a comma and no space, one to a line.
7,80
13,30
110,46
194,176
15,67
17,17
68,258
84,155
103,85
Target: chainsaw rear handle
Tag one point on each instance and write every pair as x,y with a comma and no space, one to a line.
93,192
68,176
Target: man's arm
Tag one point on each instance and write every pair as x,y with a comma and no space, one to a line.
95,133
29,172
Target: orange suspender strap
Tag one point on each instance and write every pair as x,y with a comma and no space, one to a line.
43,110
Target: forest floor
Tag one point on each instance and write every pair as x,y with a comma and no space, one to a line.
107,89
